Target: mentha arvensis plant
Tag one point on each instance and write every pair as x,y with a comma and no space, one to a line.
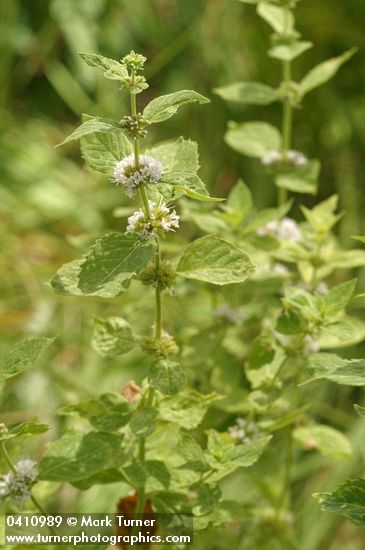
144,435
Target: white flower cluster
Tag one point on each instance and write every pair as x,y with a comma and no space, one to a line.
125,173
18,485
286,229
296,158
243,431
161,220
309,345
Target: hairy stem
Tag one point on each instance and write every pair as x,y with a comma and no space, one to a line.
142,191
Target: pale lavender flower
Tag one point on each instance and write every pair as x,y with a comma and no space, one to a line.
126,173
243,431
162,219
18,485
285,229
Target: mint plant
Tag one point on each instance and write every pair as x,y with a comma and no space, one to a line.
290,170
289,324
144,436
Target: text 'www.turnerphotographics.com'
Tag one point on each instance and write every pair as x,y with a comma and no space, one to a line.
85,529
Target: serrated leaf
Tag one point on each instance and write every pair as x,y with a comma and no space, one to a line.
225,457
214,260
107,412
280,19
335,301
112,336
324,439
163,107
288,52
323,72
187,408
102,151
91,126
113,260
350,372
322,217
112,68
22,356
348,500
248,93
24,429
77,456
166,376
253,139
180,155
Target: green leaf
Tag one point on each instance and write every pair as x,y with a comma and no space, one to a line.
261,353
78,456
112,336
322,217
66,280
107,412
91,126
248,93
360,410
324,439
332,367
290,322
113,69
166,376
24,429
280,19
323,72
214,260
152,473
345,332
143,421
190,450
112,260
238,205
180,155
288,52
335,301
163,107
22,356
302,179
348,500
207,497
253,139
225,457
195,195
187,408
102,151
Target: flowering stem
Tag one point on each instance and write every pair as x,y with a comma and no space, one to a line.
142,191
32,498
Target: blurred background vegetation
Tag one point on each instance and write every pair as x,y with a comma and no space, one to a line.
52,206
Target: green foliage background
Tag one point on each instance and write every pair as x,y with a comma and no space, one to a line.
52,207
